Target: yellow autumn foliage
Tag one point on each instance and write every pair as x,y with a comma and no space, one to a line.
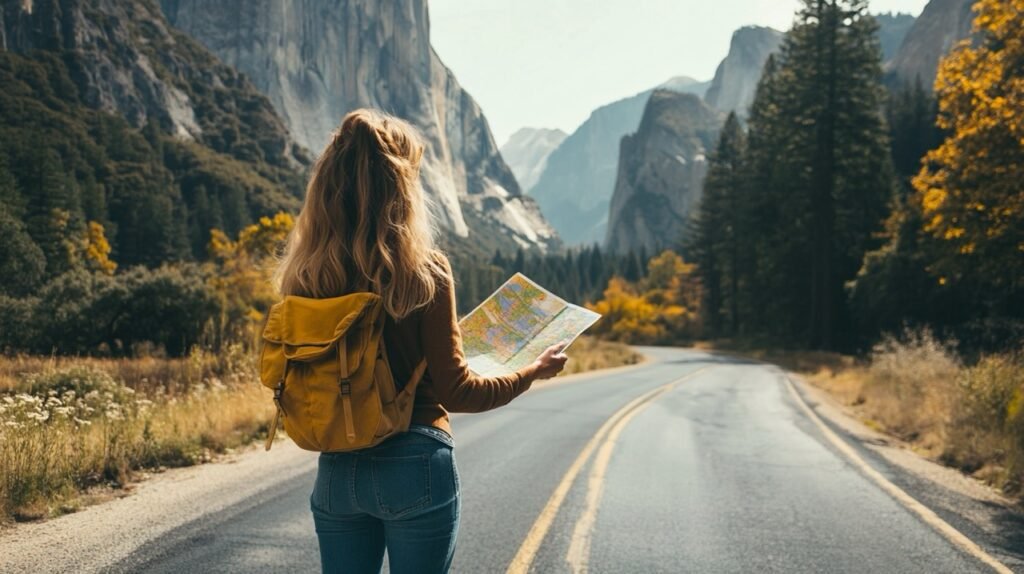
240,271
969,188
97,249
659,309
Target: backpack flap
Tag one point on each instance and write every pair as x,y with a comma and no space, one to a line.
302,329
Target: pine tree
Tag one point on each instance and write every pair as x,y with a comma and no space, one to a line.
719,232
833,148
631,271
773,297
48,215
519,264
22,262
598,277
498,260
9,196
911,116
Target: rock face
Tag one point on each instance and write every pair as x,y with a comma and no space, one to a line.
576,186
737,75
126,60
892,30
526,153
661,172
317,60
940,26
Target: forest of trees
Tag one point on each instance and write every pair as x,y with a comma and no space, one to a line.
578,274
822,227
107,226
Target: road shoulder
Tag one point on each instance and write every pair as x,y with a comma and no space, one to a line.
972,507
101,535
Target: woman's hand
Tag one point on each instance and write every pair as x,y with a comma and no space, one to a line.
551,361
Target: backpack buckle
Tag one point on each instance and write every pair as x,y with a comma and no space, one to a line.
278,393
345,385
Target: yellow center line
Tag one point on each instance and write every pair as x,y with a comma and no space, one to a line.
531,544
927,515
578,555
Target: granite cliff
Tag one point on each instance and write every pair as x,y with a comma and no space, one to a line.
940,26
892,30
735,81
576,186
661,172
317,61
109,114
125,59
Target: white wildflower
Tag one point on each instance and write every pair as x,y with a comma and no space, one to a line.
39,416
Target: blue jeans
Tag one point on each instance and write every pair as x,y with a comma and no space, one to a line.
402,494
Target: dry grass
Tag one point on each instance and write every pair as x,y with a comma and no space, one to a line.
153,375
70,426
589,354
916,388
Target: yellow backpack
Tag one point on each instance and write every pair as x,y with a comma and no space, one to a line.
333,386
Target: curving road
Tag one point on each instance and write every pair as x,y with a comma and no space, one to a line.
713,467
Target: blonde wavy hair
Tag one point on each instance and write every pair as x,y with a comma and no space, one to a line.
364,225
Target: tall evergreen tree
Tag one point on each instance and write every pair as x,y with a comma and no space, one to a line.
716,243
836,154
9,195
911,115
631,271
773,300
519,265
48,214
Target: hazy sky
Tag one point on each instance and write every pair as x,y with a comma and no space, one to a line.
548,63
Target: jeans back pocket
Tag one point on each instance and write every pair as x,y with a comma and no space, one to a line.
401,483
320,498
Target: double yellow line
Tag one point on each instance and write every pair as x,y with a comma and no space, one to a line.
579,549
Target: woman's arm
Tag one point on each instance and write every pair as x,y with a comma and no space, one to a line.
457,388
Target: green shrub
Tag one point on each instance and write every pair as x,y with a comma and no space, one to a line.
170,307
989,390
18,330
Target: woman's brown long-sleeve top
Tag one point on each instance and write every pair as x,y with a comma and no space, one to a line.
448,384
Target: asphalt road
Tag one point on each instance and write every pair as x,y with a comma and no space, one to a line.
722,472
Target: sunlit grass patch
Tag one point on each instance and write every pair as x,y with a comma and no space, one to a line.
70,428
589,353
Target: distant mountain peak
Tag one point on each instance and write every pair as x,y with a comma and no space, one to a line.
737,76
526,153
661,172
685,85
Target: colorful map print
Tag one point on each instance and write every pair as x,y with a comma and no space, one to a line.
516,323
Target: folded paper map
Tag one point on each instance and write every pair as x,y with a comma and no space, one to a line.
513,326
